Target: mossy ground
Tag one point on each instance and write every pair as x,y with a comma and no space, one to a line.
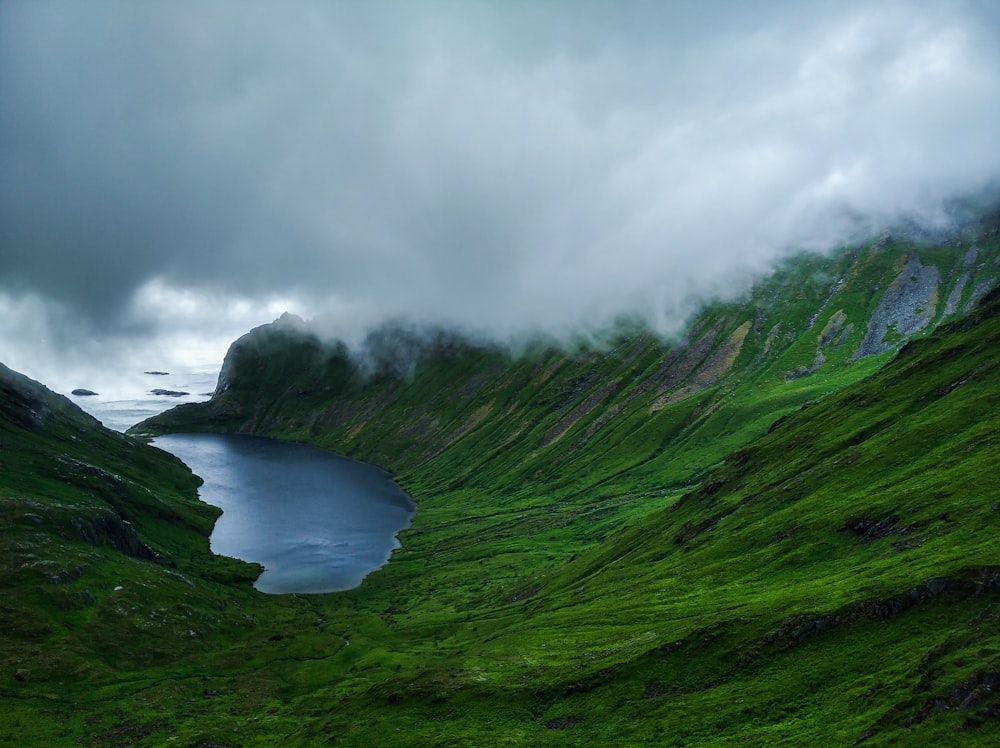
610,546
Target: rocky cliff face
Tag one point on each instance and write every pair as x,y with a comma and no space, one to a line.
906,308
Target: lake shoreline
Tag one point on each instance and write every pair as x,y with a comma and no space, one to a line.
316,521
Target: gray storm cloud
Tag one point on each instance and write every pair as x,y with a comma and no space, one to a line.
509,167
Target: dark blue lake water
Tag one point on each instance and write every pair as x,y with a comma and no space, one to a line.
318,522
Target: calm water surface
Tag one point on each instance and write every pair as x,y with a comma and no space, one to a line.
128,399
318,522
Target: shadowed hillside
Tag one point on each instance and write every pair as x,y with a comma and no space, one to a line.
625,413
779,529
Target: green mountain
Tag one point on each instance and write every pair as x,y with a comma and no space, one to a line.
777,529
627,411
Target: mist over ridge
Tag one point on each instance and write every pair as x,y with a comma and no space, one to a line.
174,174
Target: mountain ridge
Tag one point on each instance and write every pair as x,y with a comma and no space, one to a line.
801,333
748,534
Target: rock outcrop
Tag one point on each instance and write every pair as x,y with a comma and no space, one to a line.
109,530
906,308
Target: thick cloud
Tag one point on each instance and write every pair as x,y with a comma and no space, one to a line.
505,166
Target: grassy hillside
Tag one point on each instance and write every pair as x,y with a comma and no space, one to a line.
108,583
629,415
615,544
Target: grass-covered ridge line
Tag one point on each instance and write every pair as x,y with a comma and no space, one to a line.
656,413
614,545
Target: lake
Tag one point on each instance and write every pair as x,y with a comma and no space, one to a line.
318,522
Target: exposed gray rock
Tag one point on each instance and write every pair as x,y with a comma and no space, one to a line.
168,393
833,327
66,575
978,292
956,294
832,335
81,392
906,308
798,372
871,528
109,530
834,290
844,335
935,587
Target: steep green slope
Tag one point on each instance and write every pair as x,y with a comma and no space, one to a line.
850,555
563,584
835,582
106,575
631,415
614,545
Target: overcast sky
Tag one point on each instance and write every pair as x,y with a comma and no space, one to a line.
172,173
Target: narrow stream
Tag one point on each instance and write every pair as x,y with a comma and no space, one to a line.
318,522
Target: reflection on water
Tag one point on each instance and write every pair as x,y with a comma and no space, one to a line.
318,522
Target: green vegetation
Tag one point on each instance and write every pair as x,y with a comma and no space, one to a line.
750,535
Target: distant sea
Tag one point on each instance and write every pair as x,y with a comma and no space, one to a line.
130,399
